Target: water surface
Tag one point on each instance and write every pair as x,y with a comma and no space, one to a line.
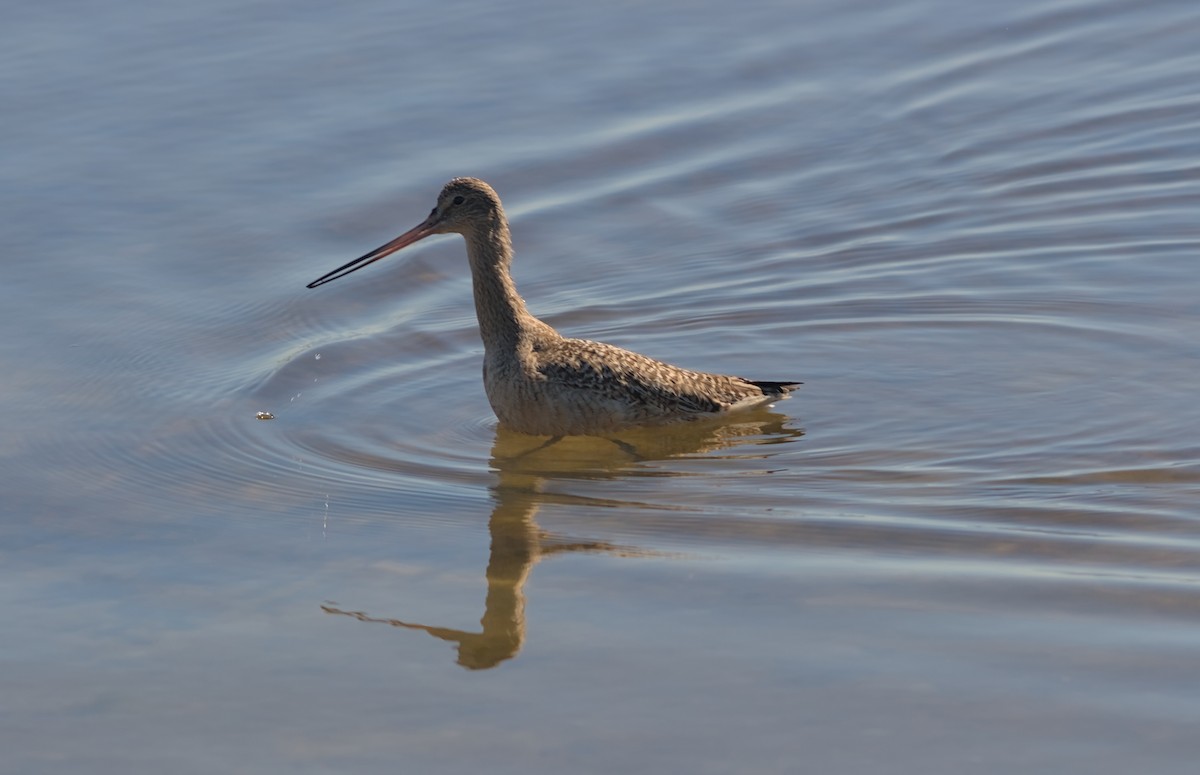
968,545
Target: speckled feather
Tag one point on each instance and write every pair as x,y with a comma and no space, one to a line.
657,388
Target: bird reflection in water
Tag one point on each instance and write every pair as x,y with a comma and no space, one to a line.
525,466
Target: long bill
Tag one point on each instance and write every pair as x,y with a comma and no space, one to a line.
404,240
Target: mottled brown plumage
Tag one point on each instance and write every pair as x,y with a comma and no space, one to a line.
542,383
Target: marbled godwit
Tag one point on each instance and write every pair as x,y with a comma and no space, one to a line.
540,382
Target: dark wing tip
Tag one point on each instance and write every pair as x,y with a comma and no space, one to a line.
775,388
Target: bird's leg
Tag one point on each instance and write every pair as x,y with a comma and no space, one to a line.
628,449
544,445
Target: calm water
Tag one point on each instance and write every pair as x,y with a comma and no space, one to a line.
969,545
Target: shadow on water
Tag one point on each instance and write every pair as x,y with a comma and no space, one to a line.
524,466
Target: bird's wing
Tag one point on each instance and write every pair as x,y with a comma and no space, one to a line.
623,375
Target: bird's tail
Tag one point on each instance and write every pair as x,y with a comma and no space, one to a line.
775,388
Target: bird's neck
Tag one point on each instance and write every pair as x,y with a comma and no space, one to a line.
503,318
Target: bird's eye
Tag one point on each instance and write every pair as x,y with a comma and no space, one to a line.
458,200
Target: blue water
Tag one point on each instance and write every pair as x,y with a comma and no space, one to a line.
967,545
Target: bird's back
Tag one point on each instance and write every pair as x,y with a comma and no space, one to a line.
577,386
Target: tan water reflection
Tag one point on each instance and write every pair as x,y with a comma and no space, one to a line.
525,465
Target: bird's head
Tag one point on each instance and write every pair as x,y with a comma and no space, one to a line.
465,205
